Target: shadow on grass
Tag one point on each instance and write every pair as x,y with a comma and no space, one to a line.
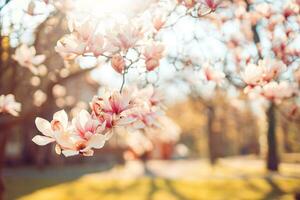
19,182
151,187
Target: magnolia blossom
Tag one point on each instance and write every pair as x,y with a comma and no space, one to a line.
70,47
153,53
26,57
79,137
211,4
9,105
158,22
147,108
271,69
252,75
82,39
213,75
266,71
113,108
131,109
278,91
98,45
150,96
118,63
125,36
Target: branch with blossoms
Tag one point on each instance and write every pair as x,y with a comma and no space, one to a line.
125,46
131,109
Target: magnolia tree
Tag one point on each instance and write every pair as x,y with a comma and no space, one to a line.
258,52
124,42
258,55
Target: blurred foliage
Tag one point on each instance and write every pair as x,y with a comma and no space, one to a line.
236,131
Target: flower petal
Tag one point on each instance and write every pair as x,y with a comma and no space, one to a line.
68,153
43,126
42,140
97,141
62,117
57,149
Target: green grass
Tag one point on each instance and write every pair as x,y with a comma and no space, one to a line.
161,189
231,179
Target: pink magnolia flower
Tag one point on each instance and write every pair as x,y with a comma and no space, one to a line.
264,9
146,116
271,69
213,75
81,40
158,22
147,107
97,45
80,137
27,57
149,95
87,135
153,53
125,36
58,125
9,105
112,108
212,4
84,31
70,47
118,63
252,75
276,92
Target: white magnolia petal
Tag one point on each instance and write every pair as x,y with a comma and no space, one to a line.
42,140
68,153
97,141
62,117
43,126
108,135
125,121
57,149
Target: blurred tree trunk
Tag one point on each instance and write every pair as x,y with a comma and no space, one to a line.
3,141
211,135
272,154
29,150
285,130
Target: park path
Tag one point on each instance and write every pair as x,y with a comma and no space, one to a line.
197,169
238,167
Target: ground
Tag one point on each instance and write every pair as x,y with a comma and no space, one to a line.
161,180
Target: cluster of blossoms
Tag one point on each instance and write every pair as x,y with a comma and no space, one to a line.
9,105
263,79
213,74
131,109
114,44
26,57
